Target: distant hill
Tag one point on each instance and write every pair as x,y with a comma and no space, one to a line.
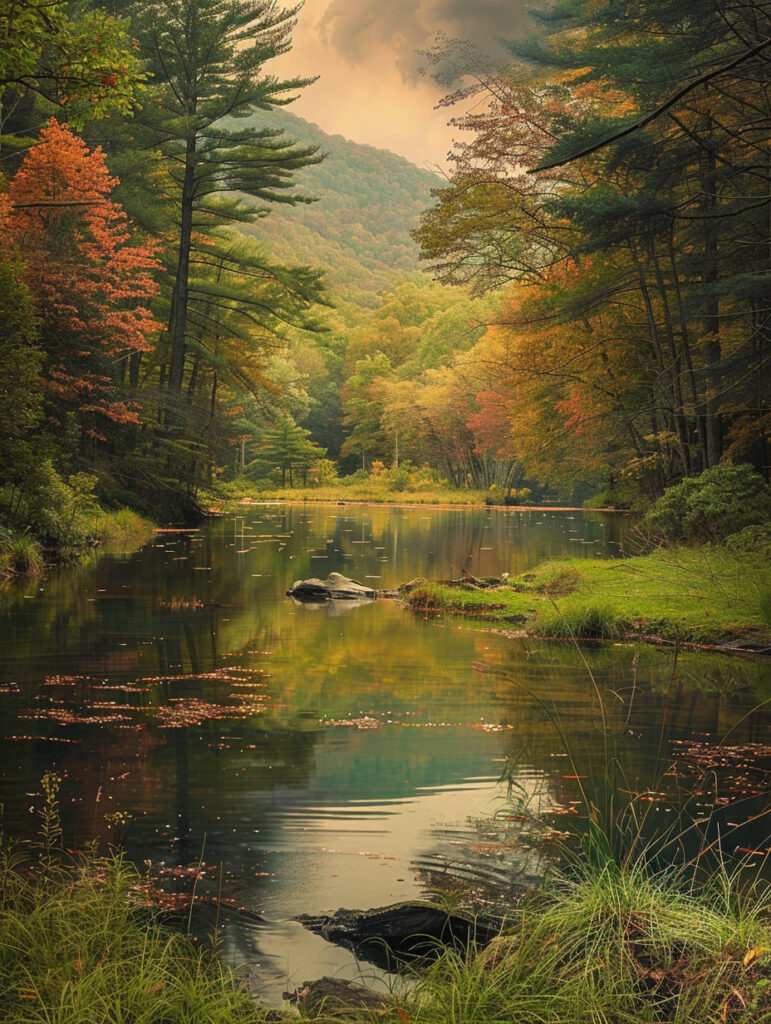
368,201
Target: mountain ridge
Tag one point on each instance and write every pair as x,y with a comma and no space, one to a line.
358,229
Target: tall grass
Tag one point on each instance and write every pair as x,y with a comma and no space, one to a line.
578,619
612,947
77,947
20,555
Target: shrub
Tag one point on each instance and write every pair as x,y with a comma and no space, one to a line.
722,501
322,473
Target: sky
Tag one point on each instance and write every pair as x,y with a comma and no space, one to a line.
366,54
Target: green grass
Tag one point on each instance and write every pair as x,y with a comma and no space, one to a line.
121,526
365,490
20,555
608,945
76,947
703,595
611,946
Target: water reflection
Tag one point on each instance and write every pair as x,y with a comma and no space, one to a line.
315,760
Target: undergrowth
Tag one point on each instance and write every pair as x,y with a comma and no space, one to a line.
77,947
613,947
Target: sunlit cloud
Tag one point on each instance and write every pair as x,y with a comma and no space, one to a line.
367,56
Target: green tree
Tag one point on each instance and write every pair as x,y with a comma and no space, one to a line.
20,362
74,56
208,58
286,447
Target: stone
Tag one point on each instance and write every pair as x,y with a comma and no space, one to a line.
402,931
335,996
335,587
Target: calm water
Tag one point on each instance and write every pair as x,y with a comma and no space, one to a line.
315,758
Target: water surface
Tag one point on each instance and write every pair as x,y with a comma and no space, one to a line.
313,758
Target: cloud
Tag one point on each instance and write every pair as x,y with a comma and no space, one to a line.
365,53
355,29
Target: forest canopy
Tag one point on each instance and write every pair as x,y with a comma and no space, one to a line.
200,287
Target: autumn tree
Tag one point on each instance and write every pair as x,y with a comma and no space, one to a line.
633,210
92,282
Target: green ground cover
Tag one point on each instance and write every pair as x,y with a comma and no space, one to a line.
705,595
23,554
77,947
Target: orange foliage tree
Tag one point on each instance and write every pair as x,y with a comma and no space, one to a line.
92,282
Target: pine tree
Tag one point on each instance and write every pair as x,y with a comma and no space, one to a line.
208,57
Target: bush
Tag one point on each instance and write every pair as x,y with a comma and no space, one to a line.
322,473
722,501
62,516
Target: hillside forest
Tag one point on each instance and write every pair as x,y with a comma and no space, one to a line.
201,291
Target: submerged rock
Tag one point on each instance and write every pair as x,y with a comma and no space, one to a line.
333,996
403,931
335,587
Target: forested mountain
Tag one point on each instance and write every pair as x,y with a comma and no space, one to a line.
358,230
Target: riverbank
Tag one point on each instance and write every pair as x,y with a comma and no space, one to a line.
707,595
79,945
364,491
24,554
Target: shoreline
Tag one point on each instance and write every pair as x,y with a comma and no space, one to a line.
707,598
229,504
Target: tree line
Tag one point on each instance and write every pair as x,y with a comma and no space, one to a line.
614,182
600,252
136,322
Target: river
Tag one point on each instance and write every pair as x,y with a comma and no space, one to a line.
315,758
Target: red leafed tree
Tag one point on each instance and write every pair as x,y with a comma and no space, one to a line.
491,426
91,281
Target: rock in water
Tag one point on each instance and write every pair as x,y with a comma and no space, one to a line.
402,932
335,587
335,996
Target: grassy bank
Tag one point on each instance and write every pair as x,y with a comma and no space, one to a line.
613,945
77,947
364,490
702,595
23,554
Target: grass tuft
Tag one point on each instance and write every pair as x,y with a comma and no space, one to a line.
77,947
611,946
583,620
20,555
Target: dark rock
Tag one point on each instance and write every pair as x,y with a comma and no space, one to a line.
335,586
403,589
333,996
402,932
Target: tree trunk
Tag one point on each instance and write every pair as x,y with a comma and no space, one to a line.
709,277
180,297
